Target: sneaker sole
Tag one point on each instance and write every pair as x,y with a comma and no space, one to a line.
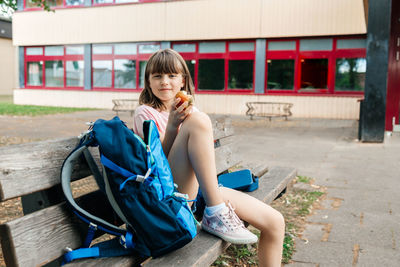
231,240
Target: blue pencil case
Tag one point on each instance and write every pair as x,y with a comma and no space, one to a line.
242,180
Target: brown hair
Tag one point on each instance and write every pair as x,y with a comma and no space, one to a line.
164,61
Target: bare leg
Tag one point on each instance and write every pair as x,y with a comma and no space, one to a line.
268,220
192,155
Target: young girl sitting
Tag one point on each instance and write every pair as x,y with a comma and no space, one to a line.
187,139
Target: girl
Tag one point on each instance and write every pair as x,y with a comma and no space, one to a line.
187,139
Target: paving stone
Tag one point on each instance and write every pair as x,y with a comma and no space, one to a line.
324,253
377,256
302,264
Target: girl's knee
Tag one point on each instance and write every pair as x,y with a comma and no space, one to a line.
198,119
275,223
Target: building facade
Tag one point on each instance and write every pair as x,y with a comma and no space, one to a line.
310,53
7,58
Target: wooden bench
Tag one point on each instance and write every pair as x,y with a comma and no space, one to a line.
31,171
268,109
125,105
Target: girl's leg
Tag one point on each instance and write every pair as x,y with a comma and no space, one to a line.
192,155
268,220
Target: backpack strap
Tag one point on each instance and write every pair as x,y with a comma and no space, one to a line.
109,248
66,172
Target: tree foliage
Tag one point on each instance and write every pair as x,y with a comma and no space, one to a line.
7,6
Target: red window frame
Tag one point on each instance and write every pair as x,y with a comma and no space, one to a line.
64,58
226,56
136,57
191,56
345,53
64,5
298,55
282,54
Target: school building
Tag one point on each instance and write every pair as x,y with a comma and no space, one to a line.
310,53
7,58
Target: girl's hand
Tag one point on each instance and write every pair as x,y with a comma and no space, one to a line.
179,114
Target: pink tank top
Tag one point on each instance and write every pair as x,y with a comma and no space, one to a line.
144,112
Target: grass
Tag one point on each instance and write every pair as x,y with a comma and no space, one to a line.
295,205
10,109
303,179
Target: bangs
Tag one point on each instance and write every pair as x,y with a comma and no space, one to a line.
165,63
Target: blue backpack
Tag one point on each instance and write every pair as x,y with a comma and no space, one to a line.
138,183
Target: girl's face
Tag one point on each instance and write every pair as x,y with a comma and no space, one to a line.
166,86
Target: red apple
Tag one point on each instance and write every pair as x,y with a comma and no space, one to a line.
184,97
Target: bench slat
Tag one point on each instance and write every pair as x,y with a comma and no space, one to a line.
37,237
32,167
64,230
205,248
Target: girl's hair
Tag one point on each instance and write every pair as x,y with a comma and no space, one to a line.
164,61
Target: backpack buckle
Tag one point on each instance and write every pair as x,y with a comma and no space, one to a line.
141,178
180,195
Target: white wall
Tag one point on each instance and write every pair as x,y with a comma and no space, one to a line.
7,67
334,107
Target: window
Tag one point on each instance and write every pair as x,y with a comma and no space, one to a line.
316,44
211,74
54,73
74,2
102,73
240,74
142,68
55,66
280,67
34,71
185,48
219,65
314,73
149,48
350,74
121,65
34,51
74,73
281,45
191,66
55,3
125,73
212,47
351,43
280,74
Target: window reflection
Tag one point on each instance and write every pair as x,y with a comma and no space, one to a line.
280,74
102,1
124,73
314,73
54,3
74,2
211,74
191,64
54,73
350,74
142,68
102,73
74,73
240,74
125,1
35,73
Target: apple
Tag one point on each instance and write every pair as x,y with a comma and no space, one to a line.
184,97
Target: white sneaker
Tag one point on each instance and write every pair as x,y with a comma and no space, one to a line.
227,225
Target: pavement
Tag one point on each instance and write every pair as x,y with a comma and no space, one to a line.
359,220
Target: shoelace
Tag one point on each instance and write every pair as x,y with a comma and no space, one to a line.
232,219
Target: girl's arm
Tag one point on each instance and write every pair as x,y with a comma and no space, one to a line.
176,117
